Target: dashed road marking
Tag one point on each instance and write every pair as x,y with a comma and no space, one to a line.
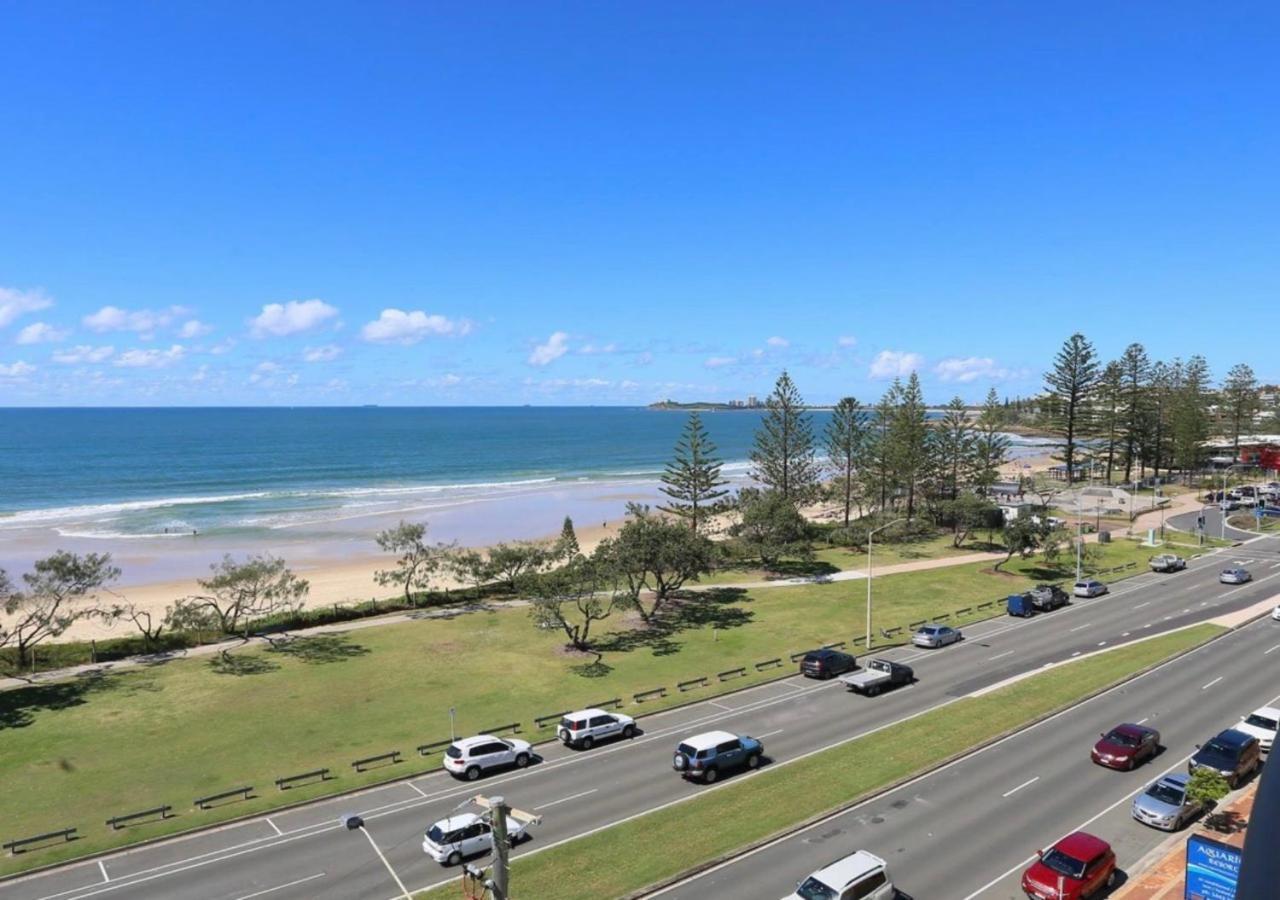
1010,793
1211,683
567,799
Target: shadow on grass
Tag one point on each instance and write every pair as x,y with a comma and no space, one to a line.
19,707
716,607
226,663
319,649
802,568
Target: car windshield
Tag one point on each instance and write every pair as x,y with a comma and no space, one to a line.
813,889
1262,722
454,752
1166,793
435,834
1067,865
1217,754
1119,737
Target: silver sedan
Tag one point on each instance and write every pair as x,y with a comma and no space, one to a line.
1165,804
1235,575
935,635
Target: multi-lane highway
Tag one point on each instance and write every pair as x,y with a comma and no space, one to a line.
306,853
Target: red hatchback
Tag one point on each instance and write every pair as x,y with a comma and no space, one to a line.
1077,866
1124,746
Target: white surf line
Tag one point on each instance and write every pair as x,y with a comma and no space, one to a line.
1205,687
273,825
1012,791
103,869
281,887
999,655
566,799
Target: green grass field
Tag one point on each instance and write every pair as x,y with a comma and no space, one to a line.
75,753
663,844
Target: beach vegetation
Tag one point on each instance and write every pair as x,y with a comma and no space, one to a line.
237,592
1070,385
692,479
566,545
417,561
783,457
846,443
508,563
1022,536
1240,402
770,527
575,596
655,555
59,591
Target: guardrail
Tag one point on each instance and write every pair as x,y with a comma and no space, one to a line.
287,781
768,664
914,625
203,802
544,721
732,673
616,703
961,612
838,645
14,846
360,764
424,749
795,657
513,727
116,821
692,683
654,694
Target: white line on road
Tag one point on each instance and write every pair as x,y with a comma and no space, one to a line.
1142,720
1140,605
1126,634
1211,683
103,870
274,826
1020,787
761,737
1073,655
567,799
721,706
1274,566
1276,647
421,792
281,887
1102,643
998,655
1078,627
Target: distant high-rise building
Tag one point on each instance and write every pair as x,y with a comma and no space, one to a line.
752,401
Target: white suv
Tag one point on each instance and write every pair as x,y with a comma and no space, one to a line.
858,876
471,757
452,840
583,728
1262,724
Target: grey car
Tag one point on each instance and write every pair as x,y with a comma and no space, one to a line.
935,635
1235,575
1165,805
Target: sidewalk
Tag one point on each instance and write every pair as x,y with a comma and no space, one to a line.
856,574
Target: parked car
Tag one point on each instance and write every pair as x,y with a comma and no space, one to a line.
583,728
1232,754
1275,614
711,753
932,635
472,757
827,663
860,875
1125,746
1167,562
1089,588
1165,804
1261,723
1081,863
1020,605
879,675
1045,597
1235,575
456,838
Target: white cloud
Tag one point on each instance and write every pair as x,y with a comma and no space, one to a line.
447,380
594,349
628,385
150,359
15,302
717,362
555,347
644,358
145,322
965,369
263,372
776,341
41,333
83,353
327,353
19,369
200,374
194,328
400,327
294,317
895,364
223,347
846,340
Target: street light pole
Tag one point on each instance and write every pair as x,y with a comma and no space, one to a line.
870,537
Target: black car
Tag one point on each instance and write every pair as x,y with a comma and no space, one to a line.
826,663
1232,754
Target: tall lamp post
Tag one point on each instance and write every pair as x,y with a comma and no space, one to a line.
870,536
356,823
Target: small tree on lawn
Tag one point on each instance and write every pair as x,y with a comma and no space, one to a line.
1208,787
1021,536
658,554
509,563
239,592
417,561
965,513
572,598
59,591
770,526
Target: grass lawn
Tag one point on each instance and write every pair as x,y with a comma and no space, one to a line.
662,844
75,753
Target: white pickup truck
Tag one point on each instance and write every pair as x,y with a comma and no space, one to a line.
878,675
1167,562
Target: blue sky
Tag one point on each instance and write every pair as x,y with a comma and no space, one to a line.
431,203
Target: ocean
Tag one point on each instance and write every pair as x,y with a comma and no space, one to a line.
327,478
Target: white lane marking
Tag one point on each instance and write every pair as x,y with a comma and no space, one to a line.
274,826
770,733
1211,683
999,655
567,799
1013,791
1074,655
103,870
281,887
1102,643
1140,605
1142,720
721,706
421,792
1274,566
1078,627
1276,647
1125,634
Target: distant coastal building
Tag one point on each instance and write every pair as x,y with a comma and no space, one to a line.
752,401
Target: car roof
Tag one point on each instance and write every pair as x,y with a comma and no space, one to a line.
475,739
709,739
1177,779
1269,712
453,823
1233,738
1082,845
585,713
840,873
1132,730
823,651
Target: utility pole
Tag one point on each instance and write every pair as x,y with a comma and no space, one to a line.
499,812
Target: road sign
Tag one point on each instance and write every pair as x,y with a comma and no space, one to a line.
1212,869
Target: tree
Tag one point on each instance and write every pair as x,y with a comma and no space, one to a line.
966,513
951,450
692,478
1208,787
990,446
149,625
1110,423
1070,385
471,567
1135,370
846,439
511,562
572,598
657,554
417,560
1189,417
566,546
1022,536
59,591
770,526
190,616
909,438
783,454
239,592
1240,402
879,474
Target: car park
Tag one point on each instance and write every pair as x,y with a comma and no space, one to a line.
471,757
1090,587
1080,865
1232,754
933,635
827,663
1125,746
879,675
708,755
582,729
1261,723
858,876
1167,562
1235,575
1165,804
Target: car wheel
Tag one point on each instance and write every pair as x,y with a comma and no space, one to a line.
454,858
522,759
710,776
629,732
1130,764
587,743
473,772
753,761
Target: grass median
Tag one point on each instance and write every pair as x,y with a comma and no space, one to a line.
649,849
78,752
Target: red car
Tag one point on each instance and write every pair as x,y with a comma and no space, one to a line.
1077,866
1124,746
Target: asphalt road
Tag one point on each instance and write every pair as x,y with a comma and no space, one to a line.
305,853
1213,526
